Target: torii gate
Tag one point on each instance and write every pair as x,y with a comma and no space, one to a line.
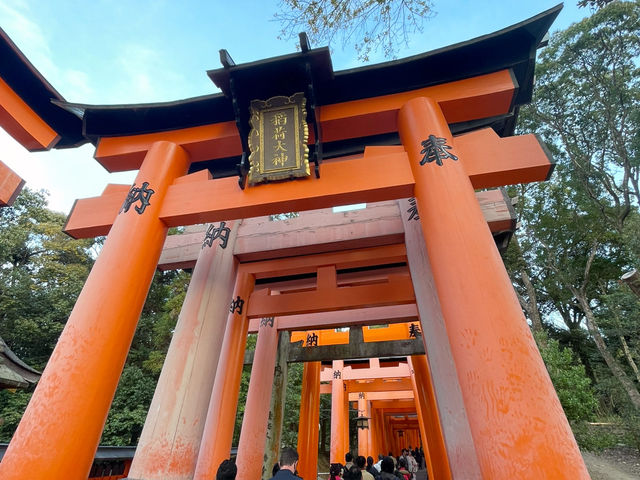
515,420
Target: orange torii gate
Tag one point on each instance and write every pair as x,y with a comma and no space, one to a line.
423,127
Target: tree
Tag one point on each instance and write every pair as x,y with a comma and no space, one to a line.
580,229
367,24
42,271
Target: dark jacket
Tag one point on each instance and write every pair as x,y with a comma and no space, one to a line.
285,475
387,476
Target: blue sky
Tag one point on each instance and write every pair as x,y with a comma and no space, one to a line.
110,52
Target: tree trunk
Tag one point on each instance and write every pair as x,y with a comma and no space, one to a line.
616,369
629,357
531,306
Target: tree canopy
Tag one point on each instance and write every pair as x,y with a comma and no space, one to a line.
367,25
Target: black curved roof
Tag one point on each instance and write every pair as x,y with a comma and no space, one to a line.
511,48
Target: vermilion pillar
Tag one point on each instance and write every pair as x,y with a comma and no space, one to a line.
338,440
70,405
428,418
309,419
516,420
256,411
169,444
221,415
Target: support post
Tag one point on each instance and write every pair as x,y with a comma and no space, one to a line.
308,423
516,420
460,449
256,412
82,374
170,440
276,410
428,418
337,452
221,415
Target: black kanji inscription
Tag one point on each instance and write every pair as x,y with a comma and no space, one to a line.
337,374
312,340
435,150
413,210
266,322
137,194
414,330
214,232
236,305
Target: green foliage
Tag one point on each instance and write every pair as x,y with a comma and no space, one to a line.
569,379
42,271
593,438
366,24
129,408
12,405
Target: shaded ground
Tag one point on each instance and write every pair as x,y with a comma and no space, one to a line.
621,463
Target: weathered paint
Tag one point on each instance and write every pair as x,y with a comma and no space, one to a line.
256,411
461,452
83,372
517,422
221,414
170,441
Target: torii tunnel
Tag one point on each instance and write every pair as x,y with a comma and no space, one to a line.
403,309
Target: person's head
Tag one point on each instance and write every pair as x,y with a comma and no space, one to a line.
227,470
387,465
348,457
402,462
334,470
288,459
360,462
353,473
369,461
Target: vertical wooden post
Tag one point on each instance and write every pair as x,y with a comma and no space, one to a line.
516,420
438,464
276,410
82,374
256,412
454,424
221,415
170,440
337,452
309,418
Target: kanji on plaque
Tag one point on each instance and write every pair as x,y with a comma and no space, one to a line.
278,139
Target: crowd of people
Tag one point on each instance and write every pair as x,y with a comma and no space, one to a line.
388,467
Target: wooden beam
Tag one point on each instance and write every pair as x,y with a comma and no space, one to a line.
364,257
388,314
319,231
22,123
10,185
469,99
385,395
367,179
492,161
489,161
396,291
379,385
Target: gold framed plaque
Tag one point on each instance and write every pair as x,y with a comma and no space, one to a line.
278,139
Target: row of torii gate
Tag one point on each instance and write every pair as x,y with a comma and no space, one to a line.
421,133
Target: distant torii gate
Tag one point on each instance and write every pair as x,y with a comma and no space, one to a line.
474,328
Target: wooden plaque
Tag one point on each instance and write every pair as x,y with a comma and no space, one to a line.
278,139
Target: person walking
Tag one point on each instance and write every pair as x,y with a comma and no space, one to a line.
288,464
